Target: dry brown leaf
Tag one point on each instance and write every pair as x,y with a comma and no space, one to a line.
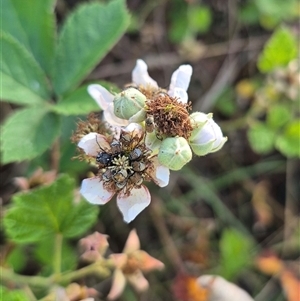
187,288
269,264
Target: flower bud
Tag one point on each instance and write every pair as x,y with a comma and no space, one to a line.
174,153
206,136
129,105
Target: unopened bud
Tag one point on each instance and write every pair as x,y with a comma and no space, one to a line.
174,153
206,136
129,105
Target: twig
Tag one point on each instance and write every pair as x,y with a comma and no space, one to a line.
165,238
292,194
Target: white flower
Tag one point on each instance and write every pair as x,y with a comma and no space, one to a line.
179,83
119,173
207,136
180,79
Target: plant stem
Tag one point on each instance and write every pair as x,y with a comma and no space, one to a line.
100,268
57,254
37,281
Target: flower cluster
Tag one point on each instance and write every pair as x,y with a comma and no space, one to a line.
151,131
128,265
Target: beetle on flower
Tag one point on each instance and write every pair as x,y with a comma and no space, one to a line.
124,163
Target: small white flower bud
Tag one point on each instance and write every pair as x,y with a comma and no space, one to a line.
129,105
174,153
206,136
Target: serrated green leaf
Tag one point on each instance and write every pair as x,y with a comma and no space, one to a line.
86,37
28,133
278,51
278,115
48,210
288,142
199,18
12,295
22,79
236,253
32,23
261,138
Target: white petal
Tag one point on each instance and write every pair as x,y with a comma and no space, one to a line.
92,142
181,78
180,94
130,206
160,174
93,191
111,118
117,286
101,95
138,281
136,129
140,75
222,290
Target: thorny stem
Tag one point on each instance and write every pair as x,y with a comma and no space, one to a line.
165,238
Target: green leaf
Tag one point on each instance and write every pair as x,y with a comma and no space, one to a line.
22,79
77,103
289,141
17,259
278,115
85,39
80,102
12,295
28,133
49,210
32,23
236,253
261,138
199,18
278,51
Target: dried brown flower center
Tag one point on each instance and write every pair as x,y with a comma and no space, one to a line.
126,164
170,116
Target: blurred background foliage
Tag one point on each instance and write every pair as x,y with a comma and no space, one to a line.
234,213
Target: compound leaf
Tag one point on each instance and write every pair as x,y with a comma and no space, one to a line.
48,210
22,79
85,38
32,23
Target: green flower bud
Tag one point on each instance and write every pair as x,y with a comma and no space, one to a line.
129,105
174,153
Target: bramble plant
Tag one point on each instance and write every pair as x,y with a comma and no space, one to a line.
129,139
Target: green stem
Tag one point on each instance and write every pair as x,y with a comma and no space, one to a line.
36,281
101,268
57,253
